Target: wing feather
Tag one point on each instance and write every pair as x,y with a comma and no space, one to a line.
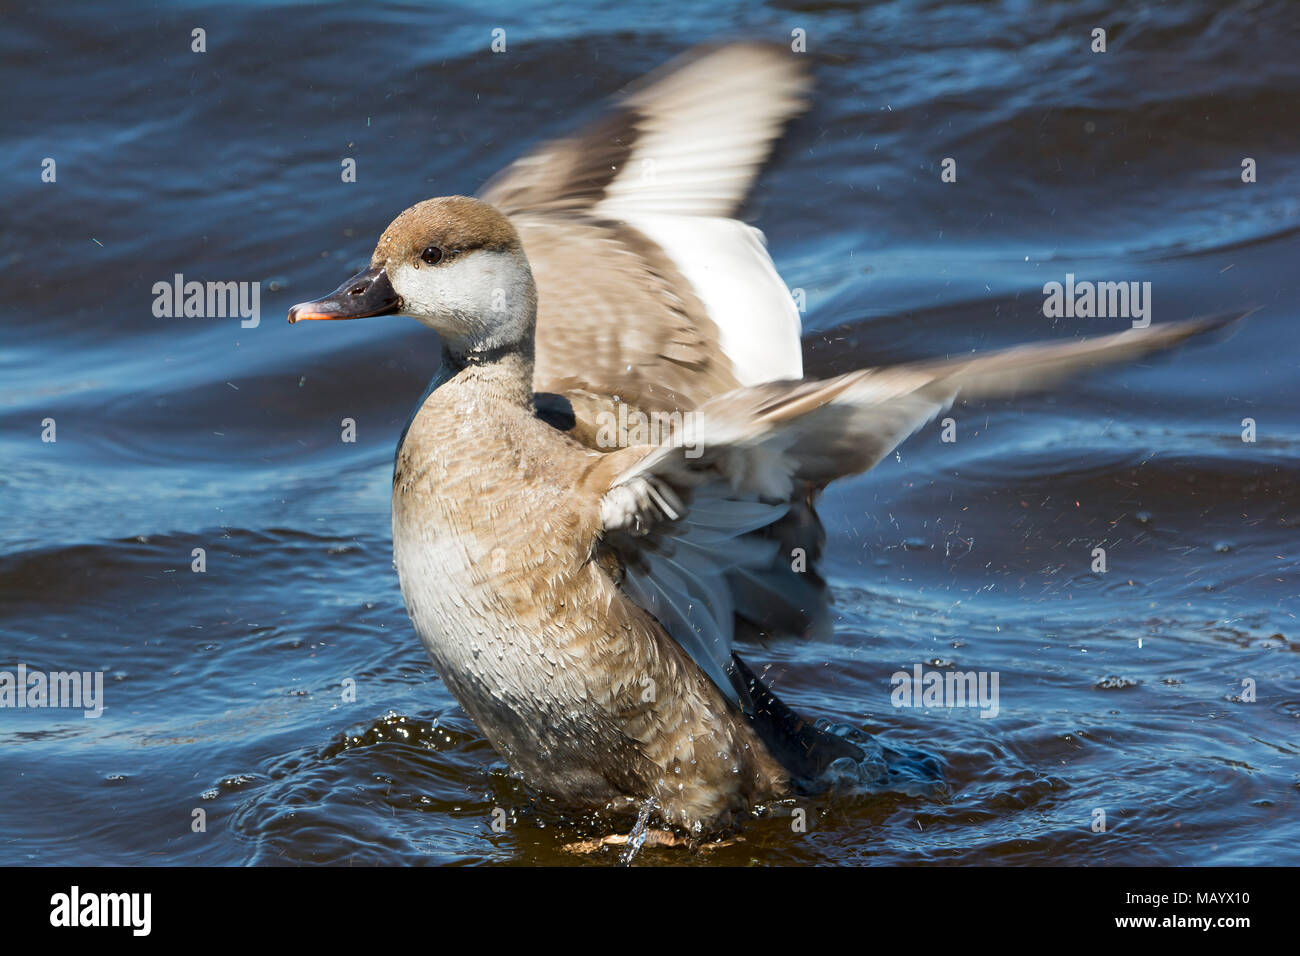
756,447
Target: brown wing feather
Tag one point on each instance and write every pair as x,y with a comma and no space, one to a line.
686,139
615,315
764,437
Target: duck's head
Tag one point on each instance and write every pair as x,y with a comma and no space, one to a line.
454,263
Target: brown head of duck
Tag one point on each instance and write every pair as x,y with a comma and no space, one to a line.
454,263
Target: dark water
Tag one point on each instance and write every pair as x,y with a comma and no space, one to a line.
1121,691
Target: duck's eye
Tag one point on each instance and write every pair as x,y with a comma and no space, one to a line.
431,256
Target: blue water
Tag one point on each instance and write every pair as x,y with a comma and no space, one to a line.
223,690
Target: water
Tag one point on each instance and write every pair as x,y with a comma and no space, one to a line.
224,690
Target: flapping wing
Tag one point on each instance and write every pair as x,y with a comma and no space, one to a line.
744,453
616,318
646,286
687,140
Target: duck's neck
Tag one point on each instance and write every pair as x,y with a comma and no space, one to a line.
504,372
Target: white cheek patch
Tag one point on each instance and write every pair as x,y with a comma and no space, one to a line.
480,299
426,293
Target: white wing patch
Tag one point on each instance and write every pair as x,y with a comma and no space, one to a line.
727,264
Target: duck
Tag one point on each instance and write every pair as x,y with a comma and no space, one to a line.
581,591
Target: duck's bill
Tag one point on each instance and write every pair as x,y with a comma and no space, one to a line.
365,294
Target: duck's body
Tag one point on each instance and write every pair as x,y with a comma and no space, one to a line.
578,688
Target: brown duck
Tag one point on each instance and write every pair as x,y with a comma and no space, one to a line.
577,579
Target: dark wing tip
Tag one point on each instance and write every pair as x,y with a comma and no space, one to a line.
1220,325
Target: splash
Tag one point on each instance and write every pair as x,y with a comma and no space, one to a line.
883,769
636,839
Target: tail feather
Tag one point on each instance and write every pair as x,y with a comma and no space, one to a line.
803,749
